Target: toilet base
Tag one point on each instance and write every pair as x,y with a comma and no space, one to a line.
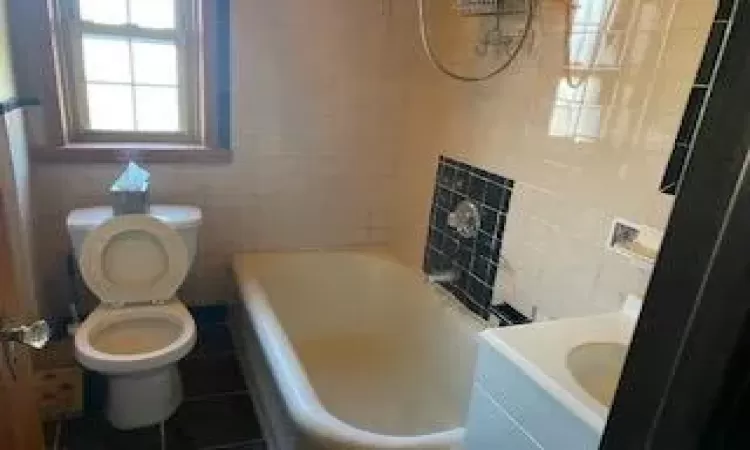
141,399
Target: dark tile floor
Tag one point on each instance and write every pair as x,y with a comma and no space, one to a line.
217,412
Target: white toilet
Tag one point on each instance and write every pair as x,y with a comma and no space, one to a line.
134,265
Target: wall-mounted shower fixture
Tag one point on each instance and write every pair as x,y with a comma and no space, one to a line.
465,219
506,43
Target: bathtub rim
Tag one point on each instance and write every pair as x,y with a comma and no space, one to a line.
299,397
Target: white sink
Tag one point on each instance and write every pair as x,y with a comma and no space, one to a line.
596,366
578,361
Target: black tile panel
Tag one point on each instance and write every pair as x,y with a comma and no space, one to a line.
725,9
508,314
675,164
699,96
711,53
691,116
477,259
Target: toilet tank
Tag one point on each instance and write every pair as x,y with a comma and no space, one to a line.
184,219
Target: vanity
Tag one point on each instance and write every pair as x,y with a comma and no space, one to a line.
548,385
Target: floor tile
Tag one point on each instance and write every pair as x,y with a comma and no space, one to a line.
250,445
211,375
95,433
212,339
50,431
209,314
213,422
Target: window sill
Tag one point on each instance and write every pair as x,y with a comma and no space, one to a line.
141,152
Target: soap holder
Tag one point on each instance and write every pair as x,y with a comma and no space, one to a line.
639,243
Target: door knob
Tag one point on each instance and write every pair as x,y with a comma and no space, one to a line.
35,335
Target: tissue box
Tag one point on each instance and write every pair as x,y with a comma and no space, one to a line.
129,202
129,192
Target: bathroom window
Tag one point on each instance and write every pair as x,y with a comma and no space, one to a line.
140,77
128,70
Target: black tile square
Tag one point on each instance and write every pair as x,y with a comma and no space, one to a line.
463,257
495,196
463,280
503,321
475,308
691,115
450,245
436,261
488,247
441,218
511,314
250,445
211,375
213,422
489,218
476,189
711,53
724,11
94,432
446,175
443,197
491,273
480,267
495,178
461,182
500,230
212,339
435,239
454,200
480,293
673,172
505,205
209,314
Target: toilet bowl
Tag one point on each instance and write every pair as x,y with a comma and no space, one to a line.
137,348
134,265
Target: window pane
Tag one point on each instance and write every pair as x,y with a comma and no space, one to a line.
110,107
112,12
155,63
156,109
152,13
106,59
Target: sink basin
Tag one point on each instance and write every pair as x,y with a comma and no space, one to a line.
596,366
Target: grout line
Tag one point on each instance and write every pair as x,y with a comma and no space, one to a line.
198,398
208,355
233,445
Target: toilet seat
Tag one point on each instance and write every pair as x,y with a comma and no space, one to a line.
92,355
133,259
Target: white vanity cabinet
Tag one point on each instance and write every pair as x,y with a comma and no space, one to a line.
510,411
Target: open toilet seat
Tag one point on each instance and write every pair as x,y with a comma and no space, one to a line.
133,259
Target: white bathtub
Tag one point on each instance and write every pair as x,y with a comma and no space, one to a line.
351,350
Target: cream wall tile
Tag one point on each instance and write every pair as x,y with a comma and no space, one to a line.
316,87
580,156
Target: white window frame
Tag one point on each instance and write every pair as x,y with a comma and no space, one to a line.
70,64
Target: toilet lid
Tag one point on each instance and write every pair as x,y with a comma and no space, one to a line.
134,258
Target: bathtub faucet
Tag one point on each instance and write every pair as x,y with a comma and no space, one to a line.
444,276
